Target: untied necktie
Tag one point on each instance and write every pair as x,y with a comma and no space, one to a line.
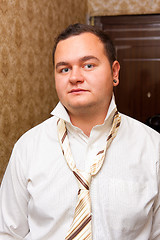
80,228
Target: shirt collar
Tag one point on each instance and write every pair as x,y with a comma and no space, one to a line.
60,111
111,108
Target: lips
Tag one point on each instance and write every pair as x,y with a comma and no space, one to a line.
77,90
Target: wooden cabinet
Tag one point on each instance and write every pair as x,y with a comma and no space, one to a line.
137,41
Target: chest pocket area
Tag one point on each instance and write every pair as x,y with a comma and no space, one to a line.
127,205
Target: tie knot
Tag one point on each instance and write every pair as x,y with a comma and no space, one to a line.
84,179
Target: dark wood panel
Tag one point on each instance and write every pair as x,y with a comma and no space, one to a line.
137,41
148,19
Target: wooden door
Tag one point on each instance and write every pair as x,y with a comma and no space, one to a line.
137,41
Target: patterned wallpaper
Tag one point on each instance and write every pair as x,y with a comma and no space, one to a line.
27,94
120,7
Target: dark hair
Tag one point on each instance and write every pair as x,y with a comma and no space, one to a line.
78,28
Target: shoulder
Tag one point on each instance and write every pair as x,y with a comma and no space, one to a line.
139,141
136,126
39,133
136,131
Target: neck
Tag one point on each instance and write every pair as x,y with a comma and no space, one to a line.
86,121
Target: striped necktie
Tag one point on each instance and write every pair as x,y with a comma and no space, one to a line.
80,228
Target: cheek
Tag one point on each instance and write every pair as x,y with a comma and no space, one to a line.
58,86
61,88
59,82
103,84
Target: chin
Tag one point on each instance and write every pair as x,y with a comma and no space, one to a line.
81,106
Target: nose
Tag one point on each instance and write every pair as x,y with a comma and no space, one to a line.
76,75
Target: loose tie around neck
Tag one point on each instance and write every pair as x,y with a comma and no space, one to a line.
80,228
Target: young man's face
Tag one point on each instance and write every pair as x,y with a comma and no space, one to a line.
83,75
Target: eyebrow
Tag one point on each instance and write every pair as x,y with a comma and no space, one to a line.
83,59
61,64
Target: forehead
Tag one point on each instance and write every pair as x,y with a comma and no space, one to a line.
78,46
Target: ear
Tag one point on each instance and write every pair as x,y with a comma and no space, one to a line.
115,73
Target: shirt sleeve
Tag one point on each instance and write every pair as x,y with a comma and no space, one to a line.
156,219
14,201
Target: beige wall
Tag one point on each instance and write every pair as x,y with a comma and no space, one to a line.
27,94
122,7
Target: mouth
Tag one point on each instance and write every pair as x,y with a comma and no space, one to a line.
78,90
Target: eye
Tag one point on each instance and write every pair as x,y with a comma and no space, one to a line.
65,70
88,66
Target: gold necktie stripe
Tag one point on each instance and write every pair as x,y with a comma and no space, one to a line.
64,136
83,182
80,228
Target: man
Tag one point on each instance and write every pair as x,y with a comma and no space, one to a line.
113,158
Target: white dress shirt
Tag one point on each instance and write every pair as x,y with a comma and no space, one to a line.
39,191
